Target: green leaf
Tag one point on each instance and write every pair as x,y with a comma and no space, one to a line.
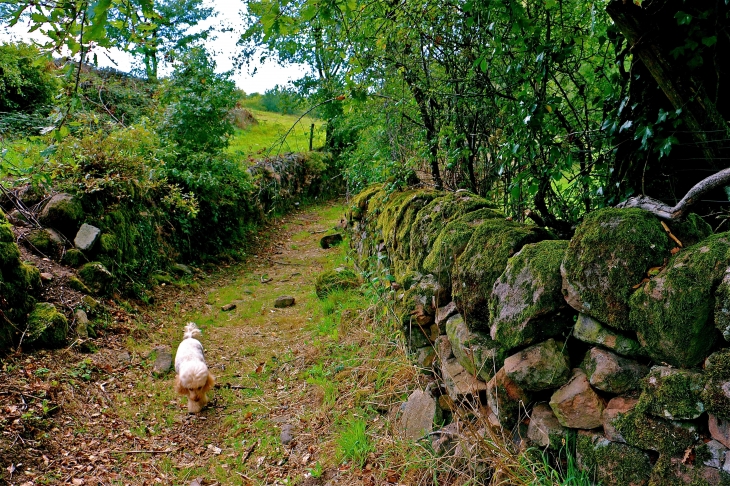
308,12
683,18
98,11
665,146
709,41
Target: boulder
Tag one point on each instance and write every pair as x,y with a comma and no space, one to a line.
576,405
716,394
64,213
610,253
526,304
283,301
475,351
451,242
590,331
340,278
719,429
544,429
460,384
329,241
678,471
673,394
611,463
611,373
86,237
506,400
539,367
443,314
433,217
46,326
615,408
96,277
420,413
672,313
483,261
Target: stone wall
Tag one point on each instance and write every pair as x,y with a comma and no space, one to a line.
617,338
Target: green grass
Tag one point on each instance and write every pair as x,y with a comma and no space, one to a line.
354,444
268,135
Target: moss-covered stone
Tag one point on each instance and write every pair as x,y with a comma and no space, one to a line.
672,313
611,463
590,331
611,252
690,230
46,326
716,394
96,277
611,373
540,367
44,241
506,400
340,278
483,261
64,213
451,242
475,351
78,285
359,205
9,255
108,243
647,432
433,217
527,304
672,394
387,222
73,258
404,219
6,232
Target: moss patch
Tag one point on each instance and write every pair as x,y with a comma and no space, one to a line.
612,463
73,258
717,374
672,394
647,432
672,313
95,276
483,261
611,252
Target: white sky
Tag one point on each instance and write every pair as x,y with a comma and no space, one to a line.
223,48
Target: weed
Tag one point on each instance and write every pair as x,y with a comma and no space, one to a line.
353,442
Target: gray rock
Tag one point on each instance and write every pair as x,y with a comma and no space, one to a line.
673,394
419,414
527,305
287,434
539,367
163,361
86,237
82,324
544,429
460,384
611,373
590,331
284,301
719,429
445,439
716,452
228,307
444,313
424,357
475,351
181,269
576,405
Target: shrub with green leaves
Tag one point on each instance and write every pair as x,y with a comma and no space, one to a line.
27,82
198,104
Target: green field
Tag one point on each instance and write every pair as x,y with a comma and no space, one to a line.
267,137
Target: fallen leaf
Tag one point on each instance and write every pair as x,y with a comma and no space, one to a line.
675,250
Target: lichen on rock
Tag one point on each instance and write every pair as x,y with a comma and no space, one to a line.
527,304
673,394
476,351
46,326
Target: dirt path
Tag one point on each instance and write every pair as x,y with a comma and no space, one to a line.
102,418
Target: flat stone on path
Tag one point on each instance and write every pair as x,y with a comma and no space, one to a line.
287,434
163,362
228,307
284,301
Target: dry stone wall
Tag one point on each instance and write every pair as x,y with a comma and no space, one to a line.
616,340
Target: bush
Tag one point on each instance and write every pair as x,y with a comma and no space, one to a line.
27,82
198,105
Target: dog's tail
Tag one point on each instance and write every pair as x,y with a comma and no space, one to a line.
191,331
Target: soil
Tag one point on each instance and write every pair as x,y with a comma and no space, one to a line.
71,416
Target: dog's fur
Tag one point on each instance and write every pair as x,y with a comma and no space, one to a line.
193,378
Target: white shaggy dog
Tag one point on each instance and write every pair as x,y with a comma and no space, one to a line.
193,378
